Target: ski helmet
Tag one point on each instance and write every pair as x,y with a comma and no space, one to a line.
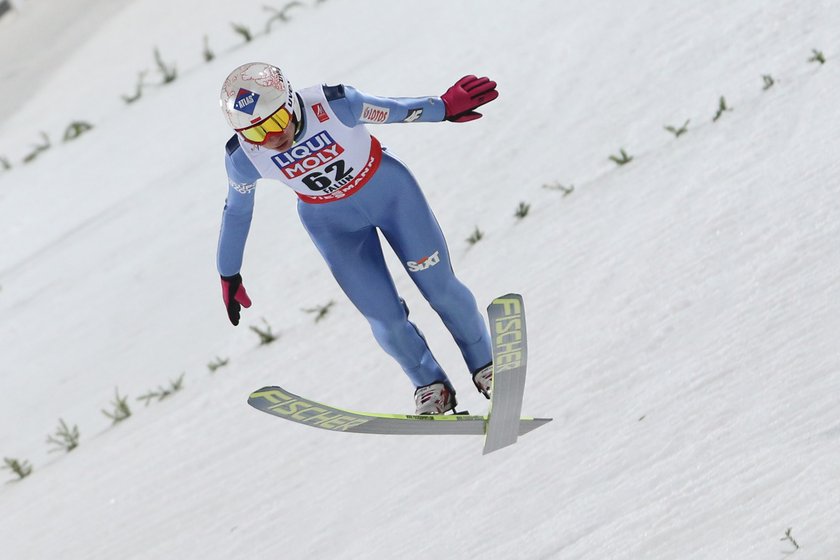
253,92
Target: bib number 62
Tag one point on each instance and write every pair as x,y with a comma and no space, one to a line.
323,182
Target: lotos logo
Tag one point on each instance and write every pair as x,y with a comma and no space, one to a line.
374,113
246,101
307,155
423,264
320,113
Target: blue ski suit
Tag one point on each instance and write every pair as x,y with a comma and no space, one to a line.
357,188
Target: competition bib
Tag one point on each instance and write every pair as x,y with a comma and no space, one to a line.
332,161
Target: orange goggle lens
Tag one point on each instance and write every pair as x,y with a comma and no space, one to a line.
277,122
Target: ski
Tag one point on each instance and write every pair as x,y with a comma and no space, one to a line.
510,356
283,404
501,427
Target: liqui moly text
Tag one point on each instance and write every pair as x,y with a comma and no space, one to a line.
310,154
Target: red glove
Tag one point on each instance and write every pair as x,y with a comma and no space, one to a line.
234,294
468,93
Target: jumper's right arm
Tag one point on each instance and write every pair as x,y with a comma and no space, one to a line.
236,223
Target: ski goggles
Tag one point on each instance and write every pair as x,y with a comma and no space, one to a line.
276,123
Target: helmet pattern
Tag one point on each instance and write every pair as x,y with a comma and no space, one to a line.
253,92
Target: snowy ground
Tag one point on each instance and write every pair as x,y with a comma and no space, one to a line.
683,309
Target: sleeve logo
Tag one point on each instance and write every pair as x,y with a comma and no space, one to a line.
243,188
413,114
374,114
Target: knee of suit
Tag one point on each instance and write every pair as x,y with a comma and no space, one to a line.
449,294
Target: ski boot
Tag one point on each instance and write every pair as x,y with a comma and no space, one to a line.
483,379
436,398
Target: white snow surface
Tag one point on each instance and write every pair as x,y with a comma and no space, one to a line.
683,310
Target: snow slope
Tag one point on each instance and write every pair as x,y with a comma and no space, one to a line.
683,309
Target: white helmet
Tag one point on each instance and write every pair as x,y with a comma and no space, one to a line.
253,92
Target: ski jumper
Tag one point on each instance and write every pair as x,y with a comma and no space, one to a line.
349,187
